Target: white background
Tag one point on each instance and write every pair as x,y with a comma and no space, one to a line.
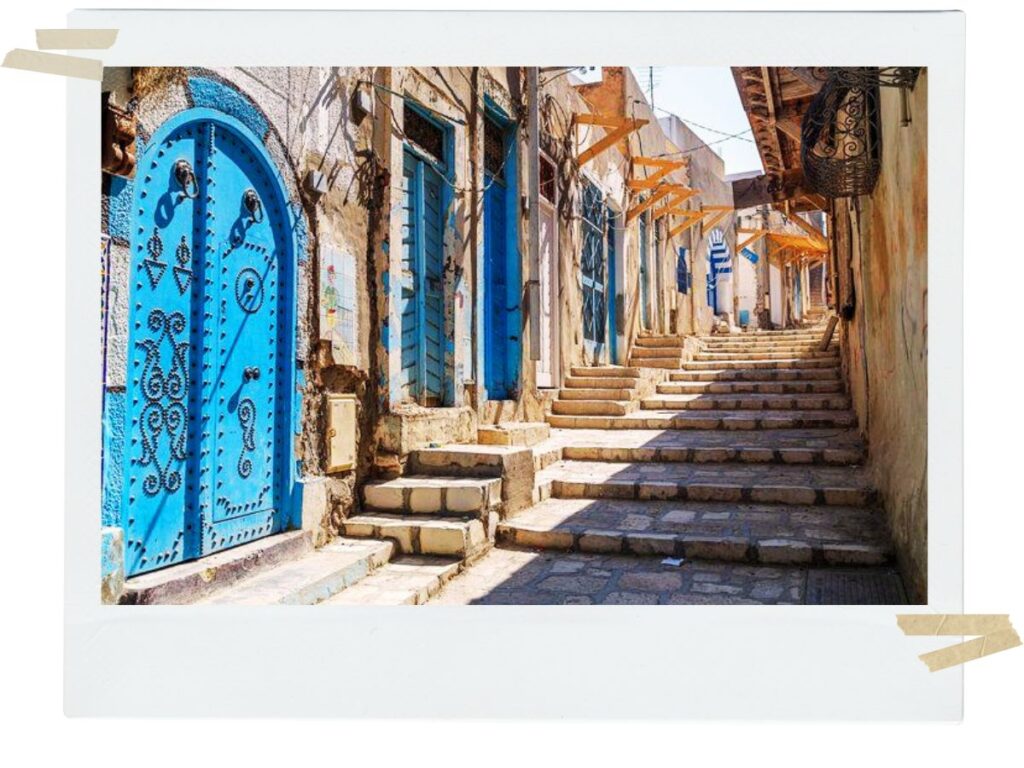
32,206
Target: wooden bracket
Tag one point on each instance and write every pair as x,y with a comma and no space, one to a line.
664,168
679,194
640,207
618,128
718,212
813,233
755,235
691,218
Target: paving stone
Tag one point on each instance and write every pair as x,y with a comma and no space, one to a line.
537,579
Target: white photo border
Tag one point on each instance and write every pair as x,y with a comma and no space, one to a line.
696,662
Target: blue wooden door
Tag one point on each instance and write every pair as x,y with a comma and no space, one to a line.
502,282
592,268
645,302
613,353
209,367
422,282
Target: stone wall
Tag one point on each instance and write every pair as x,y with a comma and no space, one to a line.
881,244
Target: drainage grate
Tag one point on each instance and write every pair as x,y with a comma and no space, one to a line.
855,587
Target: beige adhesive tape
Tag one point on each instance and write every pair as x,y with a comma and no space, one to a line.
54,64
70,39
995,630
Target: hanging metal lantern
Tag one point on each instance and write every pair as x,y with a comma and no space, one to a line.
841,136
841,140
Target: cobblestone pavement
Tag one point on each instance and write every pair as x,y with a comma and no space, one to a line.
811,525
523,577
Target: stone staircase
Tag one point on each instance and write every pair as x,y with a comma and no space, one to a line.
745,455
600,391
748,452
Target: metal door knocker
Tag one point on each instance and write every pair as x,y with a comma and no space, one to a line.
253,205
186,179
251,373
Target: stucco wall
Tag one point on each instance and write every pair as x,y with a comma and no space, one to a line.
887,339
706,172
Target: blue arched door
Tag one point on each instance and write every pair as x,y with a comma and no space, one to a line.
210,340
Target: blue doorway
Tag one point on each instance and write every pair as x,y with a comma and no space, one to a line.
610,250
502,278
592,268
210,348
425,165
645,283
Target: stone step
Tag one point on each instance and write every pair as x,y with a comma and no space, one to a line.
310,579
422,534
189,582
434,495
784,446
735,356
668,363
800,334
755,533
746,402
757,374
596,394
601,382
759,483
406,580
660,341
610,371
750,387
702,455
514,465
709,420
674,353
793,363
544,456
521,433
593,407
761,346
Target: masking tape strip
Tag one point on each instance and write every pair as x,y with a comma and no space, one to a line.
952,623
70,39
54,64
995,630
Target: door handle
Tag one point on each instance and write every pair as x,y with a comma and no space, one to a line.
186,179
251,373
253,204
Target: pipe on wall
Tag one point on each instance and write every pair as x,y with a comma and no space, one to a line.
533,196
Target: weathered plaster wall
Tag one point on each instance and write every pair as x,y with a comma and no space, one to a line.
887,339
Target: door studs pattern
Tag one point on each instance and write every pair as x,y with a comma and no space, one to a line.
154,267
249,290
182,270
164,416
247,421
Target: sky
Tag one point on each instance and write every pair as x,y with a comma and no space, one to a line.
706,98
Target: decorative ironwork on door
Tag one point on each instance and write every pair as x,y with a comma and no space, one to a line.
209,362
592,264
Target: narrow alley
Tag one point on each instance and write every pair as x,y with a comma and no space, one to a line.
514,336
